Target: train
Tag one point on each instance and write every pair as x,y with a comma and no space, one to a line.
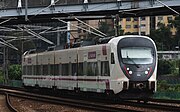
125,64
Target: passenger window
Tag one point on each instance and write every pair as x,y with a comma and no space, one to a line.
105,68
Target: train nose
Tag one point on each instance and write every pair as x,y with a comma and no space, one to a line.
140,85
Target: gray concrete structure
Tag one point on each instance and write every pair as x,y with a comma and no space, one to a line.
64,8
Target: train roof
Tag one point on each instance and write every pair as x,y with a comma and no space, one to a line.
105,40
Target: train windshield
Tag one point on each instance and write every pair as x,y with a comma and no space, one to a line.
137,55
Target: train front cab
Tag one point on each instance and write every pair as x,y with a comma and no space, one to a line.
138,61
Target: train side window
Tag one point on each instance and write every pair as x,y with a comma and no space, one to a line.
41,69
29,70
70,69
56,69
48,69
92,69
38,70
74,69
34,69
60,69
99,67
24,70
112,58
51,69
105,68
45,69
80,69
85,68
65,70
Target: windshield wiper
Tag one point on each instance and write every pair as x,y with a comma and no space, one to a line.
132,61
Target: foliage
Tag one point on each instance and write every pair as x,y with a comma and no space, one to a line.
14,72
1,76
176,23
165,67
163,86
163,37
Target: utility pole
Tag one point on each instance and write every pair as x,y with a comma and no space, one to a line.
68,34
5,60
179,56
117,25
139,19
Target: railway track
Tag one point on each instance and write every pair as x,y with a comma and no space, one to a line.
9,105
156,104
64,101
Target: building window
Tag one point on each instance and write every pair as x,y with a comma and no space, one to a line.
143,25
128,19
135,18
143,18
160,18
135,26
143,33
128,26
169,18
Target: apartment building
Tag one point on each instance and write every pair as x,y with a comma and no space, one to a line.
143,25
136,25
165,20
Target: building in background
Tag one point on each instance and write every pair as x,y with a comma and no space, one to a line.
143,25
136,25
165,20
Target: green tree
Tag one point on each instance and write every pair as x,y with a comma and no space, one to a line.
162,37
14,72
1,77
176,23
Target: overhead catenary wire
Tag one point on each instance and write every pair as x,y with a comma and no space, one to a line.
90,26
36,35
168,7
80,28
6,20
3,42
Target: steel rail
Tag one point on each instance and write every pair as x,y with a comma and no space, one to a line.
9,105
84,104
164,101
65,101
155,106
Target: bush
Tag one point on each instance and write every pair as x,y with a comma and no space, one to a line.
1,77
167,67
163,86
14,72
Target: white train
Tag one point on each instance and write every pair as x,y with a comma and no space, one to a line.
125,63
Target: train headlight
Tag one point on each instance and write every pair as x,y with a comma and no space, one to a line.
130,72
127,68
146,72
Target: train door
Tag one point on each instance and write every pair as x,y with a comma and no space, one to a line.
84,77
98,77
75,72
73,64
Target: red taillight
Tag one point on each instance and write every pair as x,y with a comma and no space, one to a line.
126,71
150,70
